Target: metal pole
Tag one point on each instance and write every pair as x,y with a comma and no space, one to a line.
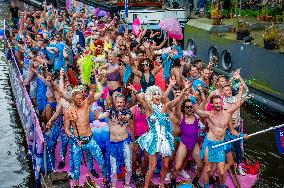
250,135
44,159
81,145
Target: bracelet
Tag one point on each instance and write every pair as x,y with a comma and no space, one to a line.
135,92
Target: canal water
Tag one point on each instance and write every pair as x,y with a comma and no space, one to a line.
16,168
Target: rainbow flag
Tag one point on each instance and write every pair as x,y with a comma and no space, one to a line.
279,136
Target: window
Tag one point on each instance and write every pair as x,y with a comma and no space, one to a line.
191,46
226,60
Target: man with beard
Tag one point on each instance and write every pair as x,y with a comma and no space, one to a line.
78,117
119,150
218,120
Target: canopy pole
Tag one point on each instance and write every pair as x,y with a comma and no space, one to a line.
250,135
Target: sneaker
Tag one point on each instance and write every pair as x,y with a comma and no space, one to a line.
173,183
241,171
211,180
195,183
217,181
184,174
168,177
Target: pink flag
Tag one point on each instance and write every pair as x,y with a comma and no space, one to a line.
68,5
135,27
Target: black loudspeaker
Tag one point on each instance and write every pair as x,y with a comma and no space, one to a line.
175,5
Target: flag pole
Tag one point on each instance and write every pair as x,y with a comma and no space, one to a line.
250,135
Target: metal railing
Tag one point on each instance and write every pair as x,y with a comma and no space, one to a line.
28,116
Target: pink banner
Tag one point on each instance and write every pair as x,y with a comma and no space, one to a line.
29,120
135,27
68,4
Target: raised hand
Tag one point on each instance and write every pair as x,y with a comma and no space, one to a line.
131,88
236,74
172,81
48,125
62,73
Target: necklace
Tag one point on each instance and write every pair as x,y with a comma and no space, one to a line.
188,120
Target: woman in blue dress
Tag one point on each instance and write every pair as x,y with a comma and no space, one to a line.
159,139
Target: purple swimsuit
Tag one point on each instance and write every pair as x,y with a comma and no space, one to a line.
189,133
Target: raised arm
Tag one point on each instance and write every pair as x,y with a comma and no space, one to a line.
67,124
201,113
174,102
103,67
103,116
170,86
115,69
55,115
47,83
99,93
232,130
237,105
161,45
141,100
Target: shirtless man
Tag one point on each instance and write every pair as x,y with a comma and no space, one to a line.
218,120
119,150
56,128
78,117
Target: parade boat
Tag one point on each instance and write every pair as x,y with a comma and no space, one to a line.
38,151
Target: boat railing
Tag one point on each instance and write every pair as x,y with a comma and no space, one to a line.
141,3
28,116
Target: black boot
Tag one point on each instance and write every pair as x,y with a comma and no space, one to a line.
195,182
94,173
173,183
61,165
217,182
211,180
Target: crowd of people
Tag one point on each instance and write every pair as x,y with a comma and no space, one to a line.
149,99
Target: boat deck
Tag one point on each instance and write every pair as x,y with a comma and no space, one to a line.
245,181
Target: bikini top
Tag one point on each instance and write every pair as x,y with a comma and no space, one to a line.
144,83
113,76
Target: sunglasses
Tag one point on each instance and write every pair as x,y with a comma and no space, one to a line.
189,107
145,64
